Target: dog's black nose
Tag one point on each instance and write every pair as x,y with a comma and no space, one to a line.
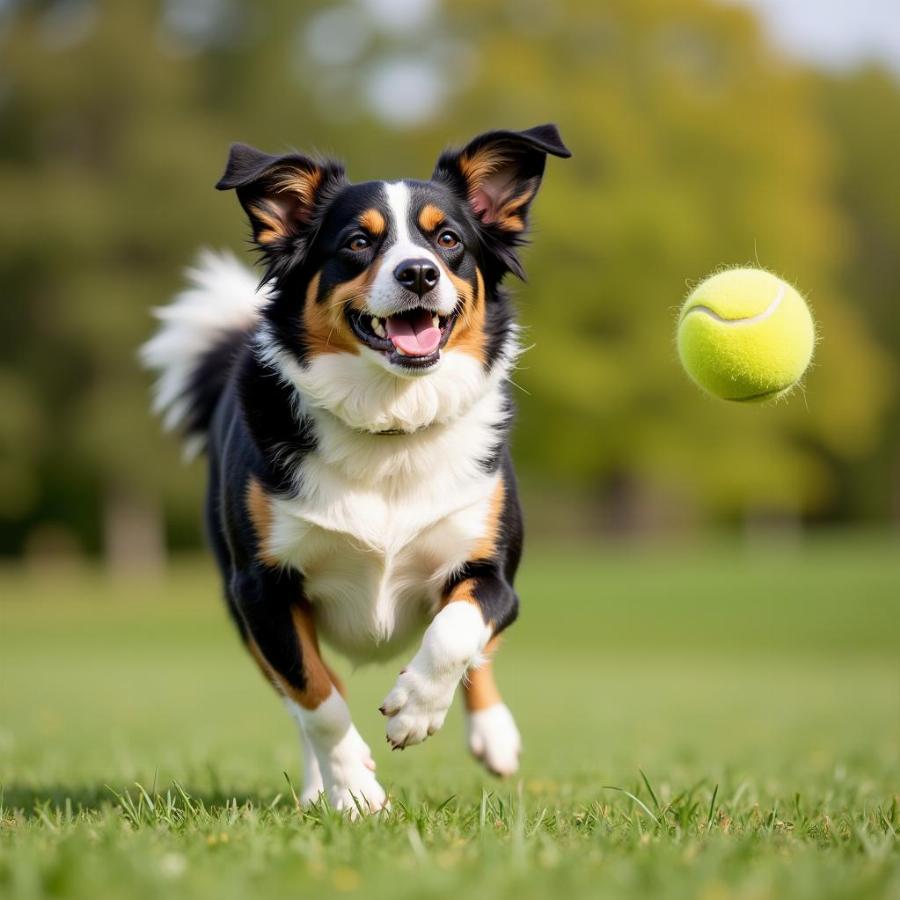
417,275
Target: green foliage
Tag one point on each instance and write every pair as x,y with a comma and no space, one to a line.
706,723
862,115
695,146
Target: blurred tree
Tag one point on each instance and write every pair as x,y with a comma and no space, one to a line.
694,146
861,111
107,160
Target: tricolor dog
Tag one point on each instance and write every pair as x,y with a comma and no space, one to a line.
355,413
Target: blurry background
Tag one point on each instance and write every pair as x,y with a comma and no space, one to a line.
711,592
704,133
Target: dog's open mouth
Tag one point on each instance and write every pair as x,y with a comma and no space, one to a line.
413,338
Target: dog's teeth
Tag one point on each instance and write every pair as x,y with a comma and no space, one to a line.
377,327
436,321
400,351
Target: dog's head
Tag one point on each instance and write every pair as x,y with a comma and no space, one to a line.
401,275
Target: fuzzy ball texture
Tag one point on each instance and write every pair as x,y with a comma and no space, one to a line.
744,334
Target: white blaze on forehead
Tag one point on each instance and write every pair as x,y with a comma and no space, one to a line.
387,296
397,194
404,246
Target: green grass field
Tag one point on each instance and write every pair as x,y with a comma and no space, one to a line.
757,689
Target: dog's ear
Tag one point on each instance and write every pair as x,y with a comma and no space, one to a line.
499,174
282,195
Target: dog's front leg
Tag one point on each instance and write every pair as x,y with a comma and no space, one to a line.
479,604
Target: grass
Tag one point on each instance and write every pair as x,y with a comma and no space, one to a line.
710,722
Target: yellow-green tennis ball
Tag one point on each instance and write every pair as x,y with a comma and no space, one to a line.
744,334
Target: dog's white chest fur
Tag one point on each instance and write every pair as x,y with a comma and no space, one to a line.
380,522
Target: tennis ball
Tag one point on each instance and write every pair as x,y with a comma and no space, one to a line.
744,334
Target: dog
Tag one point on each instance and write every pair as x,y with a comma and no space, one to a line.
354,408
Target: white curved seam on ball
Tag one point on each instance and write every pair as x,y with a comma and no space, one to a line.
750,320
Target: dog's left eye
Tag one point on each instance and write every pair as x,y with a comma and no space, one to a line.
448,240
358,243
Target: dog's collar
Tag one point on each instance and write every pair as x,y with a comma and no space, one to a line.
390,432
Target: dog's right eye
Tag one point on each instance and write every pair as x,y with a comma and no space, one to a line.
448,240
358,243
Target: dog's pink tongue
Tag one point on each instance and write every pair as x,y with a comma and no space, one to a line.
414,333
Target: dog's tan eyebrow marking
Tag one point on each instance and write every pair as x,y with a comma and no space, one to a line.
373,221
430,217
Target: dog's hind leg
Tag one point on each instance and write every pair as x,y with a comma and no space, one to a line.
491,730
313,784
278,626
280,633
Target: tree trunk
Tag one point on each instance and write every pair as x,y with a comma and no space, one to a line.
134,534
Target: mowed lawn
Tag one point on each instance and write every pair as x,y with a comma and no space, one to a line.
707,721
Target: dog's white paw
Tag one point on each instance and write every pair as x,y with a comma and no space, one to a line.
313,785
357,793
348,773
416,708
312,791
494,739
418,704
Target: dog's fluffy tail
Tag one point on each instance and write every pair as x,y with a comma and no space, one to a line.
202,330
